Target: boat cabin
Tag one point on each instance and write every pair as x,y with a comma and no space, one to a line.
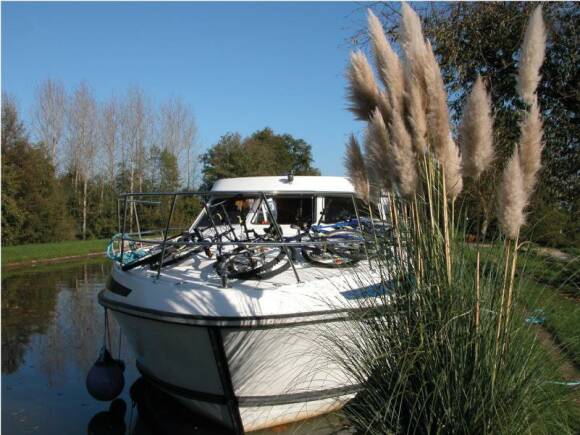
295,202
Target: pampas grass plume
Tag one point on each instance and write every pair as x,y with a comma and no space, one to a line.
412,38
414,48
531,146
437,114
377,183
416,114
388,64
532,56
379,151
363,91
451,162
476,131
404,158
512,198
356,168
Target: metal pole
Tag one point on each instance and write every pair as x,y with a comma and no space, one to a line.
233,231
118,215
137,219
209,216
123,229
279,231
361,232
165,235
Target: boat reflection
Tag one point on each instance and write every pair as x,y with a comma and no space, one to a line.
156,412
52,330
111,421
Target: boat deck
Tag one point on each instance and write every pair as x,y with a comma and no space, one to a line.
193,289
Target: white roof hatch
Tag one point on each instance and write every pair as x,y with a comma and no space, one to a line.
284,184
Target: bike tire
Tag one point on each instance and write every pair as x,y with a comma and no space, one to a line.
327,259
353,246
264,271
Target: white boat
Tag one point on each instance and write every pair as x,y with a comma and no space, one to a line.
248,350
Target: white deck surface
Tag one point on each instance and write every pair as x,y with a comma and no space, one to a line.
194,288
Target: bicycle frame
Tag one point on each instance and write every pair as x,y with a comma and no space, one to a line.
127,203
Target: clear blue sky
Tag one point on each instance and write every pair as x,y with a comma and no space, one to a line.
241,66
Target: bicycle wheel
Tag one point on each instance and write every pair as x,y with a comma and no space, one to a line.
346,244
260,262
324,258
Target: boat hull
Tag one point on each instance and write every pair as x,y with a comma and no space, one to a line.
243,377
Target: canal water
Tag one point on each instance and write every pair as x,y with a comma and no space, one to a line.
52,330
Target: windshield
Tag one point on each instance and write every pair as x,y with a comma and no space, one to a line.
287,210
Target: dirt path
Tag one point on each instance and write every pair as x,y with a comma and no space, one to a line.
569,370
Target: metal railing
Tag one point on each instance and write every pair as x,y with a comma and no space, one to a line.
129,201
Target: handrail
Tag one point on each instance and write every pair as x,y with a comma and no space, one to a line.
132,199
279,231
203,243
165,234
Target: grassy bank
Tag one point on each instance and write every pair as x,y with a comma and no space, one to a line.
552,286
561,317
48,251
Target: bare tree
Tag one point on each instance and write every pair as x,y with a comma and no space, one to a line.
178,133
110,123
190,142
82,139
49,115
135,130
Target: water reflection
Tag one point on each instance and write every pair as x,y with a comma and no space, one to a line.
52,330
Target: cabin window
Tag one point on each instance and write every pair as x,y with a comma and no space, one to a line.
294,210
262,215
338,209
363,209
286,210
232,209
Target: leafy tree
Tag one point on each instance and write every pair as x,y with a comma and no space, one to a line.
168,172
483,38
262,153
33,206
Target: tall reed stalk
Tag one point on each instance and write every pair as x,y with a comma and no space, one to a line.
443,349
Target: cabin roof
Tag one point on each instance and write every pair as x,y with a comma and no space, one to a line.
282,184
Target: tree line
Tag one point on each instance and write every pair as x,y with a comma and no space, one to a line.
64,183
471,39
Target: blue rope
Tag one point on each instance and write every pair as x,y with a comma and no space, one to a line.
128,256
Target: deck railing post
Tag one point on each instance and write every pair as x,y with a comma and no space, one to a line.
210,217
123,229
165,234
229,222
119,229
279,231
137,218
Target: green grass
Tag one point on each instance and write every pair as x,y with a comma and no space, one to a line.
551,285
45,251
562,314
560,275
